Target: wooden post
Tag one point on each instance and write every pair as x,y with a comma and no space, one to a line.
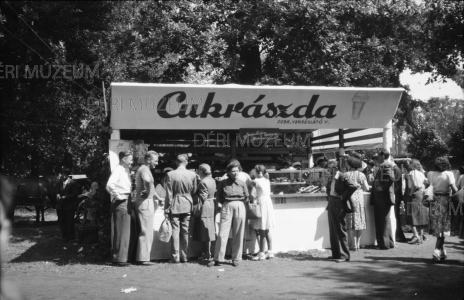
341,142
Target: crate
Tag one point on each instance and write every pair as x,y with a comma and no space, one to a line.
88,235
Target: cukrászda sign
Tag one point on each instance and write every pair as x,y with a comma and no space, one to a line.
190,107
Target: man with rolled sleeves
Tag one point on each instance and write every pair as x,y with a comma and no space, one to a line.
145,195
181,185
119,186
66,204
232,193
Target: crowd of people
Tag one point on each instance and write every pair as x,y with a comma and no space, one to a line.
390,185
220,205
222,216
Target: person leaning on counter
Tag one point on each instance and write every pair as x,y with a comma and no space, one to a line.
232,193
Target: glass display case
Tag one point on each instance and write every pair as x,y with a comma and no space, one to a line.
292,181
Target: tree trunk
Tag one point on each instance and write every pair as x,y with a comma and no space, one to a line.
250,56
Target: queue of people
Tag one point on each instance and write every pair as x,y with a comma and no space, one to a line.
346,203
133,213
223,218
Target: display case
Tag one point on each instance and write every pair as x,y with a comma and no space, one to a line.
292,181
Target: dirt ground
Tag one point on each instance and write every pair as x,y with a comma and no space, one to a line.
45,267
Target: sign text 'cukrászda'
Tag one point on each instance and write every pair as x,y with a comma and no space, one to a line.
255,110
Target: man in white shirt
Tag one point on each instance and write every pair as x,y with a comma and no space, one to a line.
119,186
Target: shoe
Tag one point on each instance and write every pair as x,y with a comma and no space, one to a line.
270,255
424,238
121,264
260,256
172,261
342,260
436,255
213,263
443,255
413,241
418,242
235,263
144,263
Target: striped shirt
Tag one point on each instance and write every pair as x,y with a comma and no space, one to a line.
140,185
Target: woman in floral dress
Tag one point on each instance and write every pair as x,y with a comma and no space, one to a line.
443,182
356,221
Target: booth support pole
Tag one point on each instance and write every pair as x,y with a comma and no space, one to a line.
116,134
310,152
388,136
341,142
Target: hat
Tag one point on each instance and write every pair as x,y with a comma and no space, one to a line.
168,169
297,163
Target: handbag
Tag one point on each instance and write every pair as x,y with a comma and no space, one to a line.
165,231
197,209
428,196
253,210
458,199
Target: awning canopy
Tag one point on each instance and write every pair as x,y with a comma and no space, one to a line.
231,107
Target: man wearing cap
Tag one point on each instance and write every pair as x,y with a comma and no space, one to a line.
181,185
119,186
66,204
145,196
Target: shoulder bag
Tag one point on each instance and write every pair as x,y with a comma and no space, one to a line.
165,231
428,195
197,209
253,210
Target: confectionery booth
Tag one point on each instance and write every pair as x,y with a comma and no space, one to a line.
285,128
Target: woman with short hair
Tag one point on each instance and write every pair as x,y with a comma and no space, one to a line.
265,224
204,229
356,221
417,213
442,181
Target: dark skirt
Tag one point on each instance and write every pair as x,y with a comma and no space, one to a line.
204,228
416,213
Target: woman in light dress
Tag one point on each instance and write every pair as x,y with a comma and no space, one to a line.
265,224
356,221
443,183
417,213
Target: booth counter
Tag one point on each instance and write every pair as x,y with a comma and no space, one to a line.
301,224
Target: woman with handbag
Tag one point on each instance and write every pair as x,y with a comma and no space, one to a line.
417,212
204,211
266,222
442,180
356,221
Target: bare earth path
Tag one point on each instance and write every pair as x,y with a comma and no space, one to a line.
47,268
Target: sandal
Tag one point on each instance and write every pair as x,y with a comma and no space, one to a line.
260,256
436,255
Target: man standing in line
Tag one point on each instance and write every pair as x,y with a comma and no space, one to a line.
181,185
398,188
383,197
119,186
66,204
145,195
339,189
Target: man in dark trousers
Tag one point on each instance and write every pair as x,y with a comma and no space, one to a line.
66,204
181,185
383,197
398,188
339,190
